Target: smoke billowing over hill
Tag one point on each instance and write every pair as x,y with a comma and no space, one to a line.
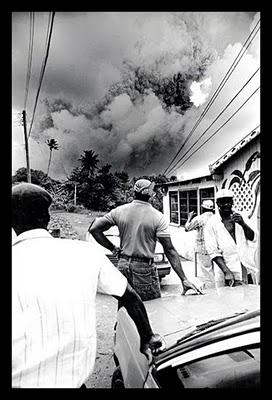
122,86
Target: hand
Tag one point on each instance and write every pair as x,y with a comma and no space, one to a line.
116,251
189,285
229,278
236,217
154,346
191,214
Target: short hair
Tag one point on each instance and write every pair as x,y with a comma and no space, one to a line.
30,205
140,196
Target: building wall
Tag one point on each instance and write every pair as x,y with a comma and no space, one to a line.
241,173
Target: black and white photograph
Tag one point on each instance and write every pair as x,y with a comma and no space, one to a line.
135,199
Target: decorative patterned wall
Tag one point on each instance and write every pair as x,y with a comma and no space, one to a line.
242,176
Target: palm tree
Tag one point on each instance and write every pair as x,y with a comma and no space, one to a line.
53,145
89,161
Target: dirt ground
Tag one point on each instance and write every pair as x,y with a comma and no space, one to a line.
106,308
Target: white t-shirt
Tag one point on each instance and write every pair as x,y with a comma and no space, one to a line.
54,286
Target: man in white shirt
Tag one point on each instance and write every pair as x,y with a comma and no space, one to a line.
54,286
227,238
197,223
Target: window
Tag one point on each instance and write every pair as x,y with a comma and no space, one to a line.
206,194
187,203
174,214
184,201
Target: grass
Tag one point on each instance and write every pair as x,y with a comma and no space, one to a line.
72,225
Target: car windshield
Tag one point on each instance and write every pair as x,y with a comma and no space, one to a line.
206,325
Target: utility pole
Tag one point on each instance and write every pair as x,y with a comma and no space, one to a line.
75,195
26,148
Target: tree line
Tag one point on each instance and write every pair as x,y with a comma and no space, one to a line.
91,187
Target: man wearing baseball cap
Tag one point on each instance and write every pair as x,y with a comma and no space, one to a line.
54,285
227,237
197,223
140,226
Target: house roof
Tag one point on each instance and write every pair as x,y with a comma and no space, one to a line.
237,147
187,181
221,160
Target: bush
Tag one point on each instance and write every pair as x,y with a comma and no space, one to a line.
70,208
76,209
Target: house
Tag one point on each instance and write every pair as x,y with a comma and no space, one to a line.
238,170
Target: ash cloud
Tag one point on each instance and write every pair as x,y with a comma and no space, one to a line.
126,90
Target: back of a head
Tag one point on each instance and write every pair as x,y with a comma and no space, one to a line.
30,207
143,189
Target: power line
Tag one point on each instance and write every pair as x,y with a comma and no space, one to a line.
229,72
48,39
219,128
30,51
197,140
219,88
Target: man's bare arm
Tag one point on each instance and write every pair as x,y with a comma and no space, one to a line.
136,309
97,228
229,277
173,257
249,233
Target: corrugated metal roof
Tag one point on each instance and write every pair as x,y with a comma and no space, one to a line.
185,181
222,159
237,147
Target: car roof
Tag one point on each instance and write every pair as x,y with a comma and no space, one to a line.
174,316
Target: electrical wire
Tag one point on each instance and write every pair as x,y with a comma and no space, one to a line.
48,40
42,70
30,52
219,88
219,127
236,95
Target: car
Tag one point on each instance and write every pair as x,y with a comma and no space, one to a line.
161,262
211,341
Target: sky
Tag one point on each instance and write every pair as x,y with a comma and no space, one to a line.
92,98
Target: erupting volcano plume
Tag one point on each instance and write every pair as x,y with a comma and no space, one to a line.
129,86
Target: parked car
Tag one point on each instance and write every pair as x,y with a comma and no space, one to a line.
212,341
161,262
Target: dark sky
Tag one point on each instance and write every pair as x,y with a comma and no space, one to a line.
89,97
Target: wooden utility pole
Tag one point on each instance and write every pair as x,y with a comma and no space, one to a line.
26,148
75,195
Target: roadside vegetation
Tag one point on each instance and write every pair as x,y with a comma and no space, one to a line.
91,188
